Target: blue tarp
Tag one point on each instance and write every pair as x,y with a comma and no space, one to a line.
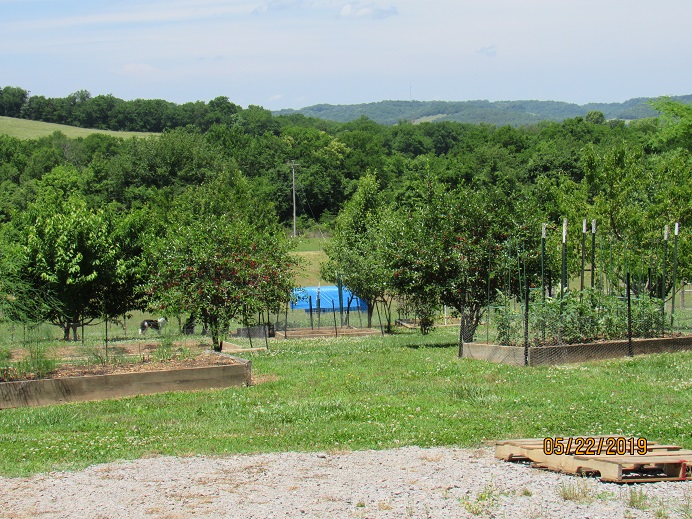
327,295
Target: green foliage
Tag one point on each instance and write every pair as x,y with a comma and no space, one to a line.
220,258
633,179
36,363
507,320
584,316
451,248
357,252
677,127
515,113
70,255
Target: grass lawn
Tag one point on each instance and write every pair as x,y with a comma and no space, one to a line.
26,129
361,393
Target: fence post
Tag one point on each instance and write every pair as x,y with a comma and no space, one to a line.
663,282
319,309
461,334
593,253
564,261
675,270
629,318
286,324
336,332
543,236
583,255
377,309
341,299
526,326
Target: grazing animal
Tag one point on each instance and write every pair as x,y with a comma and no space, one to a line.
156,324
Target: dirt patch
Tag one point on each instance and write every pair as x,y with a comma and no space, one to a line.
73,360
198,361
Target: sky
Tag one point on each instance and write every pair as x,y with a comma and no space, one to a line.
297,53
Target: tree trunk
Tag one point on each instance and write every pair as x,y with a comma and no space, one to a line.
217,345
470,317
371,309
66,327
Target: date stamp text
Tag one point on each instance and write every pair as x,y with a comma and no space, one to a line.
595,446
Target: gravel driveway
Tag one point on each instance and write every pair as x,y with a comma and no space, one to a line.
401,483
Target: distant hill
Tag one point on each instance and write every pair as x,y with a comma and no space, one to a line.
25,129
500,113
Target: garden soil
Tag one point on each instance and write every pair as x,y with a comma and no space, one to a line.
408,482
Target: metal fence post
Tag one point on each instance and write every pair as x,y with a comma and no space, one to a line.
593,253
663,282
583,255
675,269
563,279
336,331
629,318
526,326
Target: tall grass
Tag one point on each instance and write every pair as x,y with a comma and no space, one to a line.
361,393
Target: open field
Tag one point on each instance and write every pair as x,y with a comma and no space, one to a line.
361,393
310,252
25,129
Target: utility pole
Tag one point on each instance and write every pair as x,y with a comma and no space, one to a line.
293,170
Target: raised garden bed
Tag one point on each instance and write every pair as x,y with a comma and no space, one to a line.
71,382
572,353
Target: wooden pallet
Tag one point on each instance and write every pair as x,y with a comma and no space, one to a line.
660,463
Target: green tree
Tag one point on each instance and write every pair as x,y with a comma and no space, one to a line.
357,253
19,301
449,248
70,256
221,258
12,100
676,130
595,117
633,197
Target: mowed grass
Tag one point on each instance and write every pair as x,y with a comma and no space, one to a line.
361,393
25,129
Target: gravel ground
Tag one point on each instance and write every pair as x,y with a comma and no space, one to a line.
402,483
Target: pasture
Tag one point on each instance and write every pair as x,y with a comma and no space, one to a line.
26,129
310,254
361,393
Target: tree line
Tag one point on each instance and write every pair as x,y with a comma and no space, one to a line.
194,221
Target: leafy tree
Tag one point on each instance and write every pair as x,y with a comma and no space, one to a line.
595,117
19,301
449,249
633,197
677,123
357,253
222,257
12,100
70,255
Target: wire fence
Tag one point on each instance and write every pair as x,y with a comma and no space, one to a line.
610,324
